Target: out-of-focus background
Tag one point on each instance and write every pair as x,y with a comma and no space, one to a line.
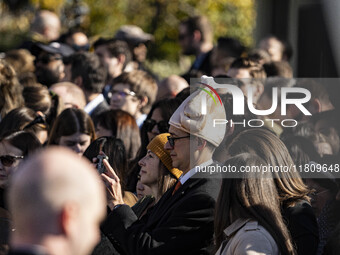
306,24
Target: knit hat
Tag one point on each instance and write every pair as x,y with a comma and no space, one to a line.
157,146
190,118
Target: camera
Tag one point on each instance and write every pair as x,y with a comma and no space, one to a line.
100,164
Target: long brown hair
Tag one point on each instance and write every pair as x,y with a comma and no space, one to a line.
69,122
272,150
123,126
253,196
166,180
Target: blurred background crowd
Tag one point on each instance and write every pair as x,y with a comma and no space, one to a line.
103,77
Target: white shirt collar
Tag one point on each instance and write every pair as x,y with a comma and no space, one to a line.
94,103
192,171
140,120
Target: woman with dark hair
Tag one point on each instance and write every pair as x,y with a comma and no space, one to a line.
248,213
37,98
156,167
73,129
23,118
156,123
293,193
122,125
13,149
158,118
114,149
156,172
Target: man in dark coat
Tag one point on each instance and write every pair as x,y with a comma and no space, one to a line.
182,221
196,38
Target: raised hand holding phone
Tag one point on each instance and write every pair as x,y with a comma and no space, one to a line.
113,187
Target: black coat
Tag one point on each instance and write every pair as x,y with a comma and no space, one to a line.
182,223
302,225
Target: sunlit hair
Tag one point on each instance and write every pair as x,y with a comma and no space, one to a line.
272,150
10,89
123,126
253,196
21,119
142,84
37,98
69,122
25,141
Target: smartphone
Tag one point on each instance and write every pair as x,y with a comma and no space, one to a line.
100,164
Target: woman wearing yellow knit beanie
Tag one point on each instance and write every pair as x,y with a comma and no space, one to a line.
156,167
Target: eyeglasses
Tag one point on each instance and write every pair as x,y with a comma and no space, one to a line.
162,125
123,93
47,58
8,160
172,139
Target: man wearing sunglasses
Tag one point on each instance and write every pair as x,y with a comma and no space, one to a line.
182,221
49,66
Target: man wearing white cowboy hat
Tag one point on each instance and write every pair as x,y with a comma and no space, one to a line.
182,221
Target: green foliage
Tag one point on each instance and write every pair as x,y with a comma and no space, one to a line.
234,18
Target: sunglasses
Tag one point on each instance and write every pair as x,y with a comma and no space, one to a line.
8,160
85,47
162,125
173,139
47,58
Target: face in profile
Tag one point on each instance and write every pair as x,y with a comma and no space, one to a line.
10,158
77,142
149,172
180,150
86,234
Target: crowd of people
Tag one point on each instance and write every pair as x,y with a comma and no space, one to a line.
100,156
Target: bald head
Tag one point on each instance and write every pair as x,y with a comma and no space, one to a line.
71,94
47,24
57,195
171,86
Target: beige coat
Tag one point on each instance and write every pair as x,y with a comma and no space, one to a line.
248,237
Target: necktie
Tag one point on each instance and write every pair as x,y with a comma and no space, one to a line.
178,185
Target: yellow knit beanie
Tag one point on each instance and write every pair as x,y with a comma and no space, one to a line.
157,146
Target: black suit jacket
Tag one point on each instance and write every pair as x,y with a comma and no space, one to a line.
182,223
